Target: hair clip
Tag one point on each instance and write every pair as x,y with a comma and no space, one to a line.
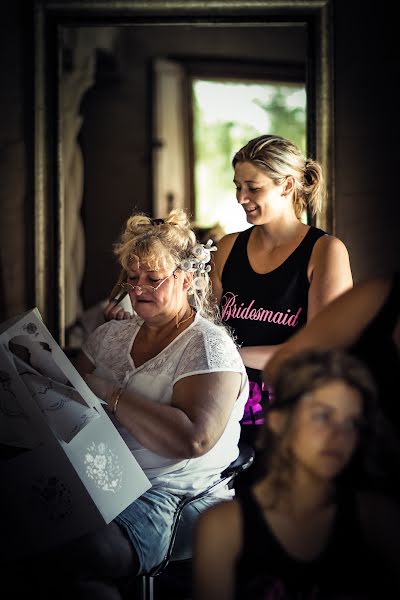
198,258
200,282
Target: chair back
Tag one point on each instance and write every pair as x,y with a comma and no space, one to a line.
189,509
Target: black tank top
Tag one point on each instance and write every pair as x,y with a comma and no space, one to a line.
264,568
264,310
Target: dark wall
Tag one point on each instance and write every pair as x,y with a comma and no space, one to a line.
116,131
15,214
366,135
366,205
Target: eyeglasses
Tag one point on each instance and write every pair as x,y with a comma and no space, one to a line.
128,287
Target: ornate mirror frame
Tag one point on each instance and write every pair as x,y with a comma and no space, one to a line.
49,18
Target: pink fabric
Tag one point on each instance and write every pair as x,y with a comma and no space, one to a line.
253,411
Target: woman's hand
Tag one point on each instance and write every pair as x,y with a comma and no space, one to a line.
114,310
255,357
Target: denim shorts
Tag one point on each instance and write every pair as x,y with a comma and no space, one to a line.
148,522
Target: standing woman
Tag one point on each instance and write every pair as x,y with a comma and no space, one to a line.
275,276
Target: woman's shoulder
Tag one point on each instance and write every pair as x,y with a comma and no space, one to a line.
330,260
217,331
225,515
228,239
224,247
220,347
218,532
329,244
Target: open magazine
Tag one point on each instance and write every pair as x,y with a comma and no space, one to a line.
61,404
65,467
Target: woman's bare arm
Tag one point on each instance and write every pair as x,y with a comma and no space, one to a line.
82,364
199,412
217,545
224,248
329,273
337,326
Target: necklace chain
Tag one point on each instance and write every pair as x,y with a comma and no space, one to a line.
178,323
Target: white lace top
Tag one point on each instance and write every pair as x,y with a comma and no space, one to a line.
201,348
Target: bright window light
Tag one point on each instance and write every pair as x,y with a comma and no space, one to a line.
226,116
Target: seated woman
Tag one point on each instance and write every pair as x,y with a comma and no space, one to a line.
175,387
311,527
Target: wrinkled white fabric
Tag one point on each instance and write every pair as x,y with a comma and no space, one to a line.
201,348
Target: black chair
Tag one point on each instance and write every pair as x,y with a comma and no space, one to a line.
179,553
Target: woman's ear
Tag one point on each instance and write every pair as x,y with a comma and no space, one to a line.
187,280
276,420
289,186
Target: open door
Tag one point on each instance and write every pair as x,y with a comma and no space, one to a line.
171,138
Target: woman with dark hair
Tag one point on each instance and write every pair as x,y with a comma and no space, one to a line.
313,526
